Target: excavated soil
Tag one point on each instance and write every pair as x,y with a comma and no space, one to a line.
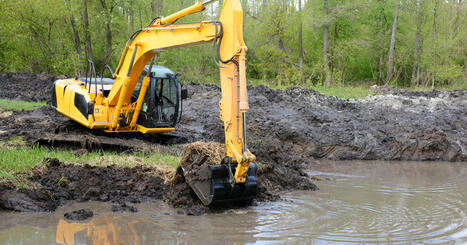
196,158
62,182
26,86
295,126
287,130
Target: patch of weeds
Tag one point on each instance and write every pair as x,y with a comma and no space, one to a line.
19,105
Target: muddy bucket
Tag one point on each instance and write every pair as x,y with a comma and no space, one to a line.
219,186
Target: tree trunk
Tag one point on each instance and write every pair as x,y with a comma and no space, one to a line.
380,47
79,70
300,43
458,16
327,73
156,7
391,47
416,59
87,35
132,17
435,42
108,8
74,29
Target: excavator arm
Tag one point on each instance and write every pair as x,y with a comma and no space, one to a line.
116,112
228,34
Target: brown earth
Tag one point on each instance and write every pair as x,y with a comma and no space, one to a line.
61,182
26,86
286,131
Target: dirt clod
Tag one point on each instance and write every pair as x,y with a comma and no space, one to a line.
81,214
195,160
123,207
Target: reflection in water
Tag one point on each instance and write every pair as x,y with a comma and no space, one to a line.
358,202
104,229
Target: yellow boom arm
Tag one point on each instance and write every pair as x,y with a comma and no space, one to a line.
228,33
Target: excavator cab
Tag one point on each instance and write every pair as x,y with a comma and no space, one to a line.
162,105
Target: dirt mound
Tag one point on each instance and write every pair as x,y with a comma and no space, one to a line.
123,207
26,86
196,157
81,214
63,182
24,200
294,126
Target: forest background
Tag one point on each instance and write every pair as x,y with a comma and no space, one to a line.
309,43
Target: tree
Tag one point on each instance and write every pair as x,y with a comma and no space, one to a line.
300,42
87,34
416,65
390,71
327,72
107,6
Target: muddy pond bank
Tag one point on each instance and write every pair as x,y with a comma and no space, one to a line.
287,131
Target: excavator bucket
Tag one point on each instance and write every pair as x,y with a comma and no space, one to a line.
218,184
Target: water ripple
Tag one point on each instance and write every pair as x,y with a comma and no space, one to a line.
356,209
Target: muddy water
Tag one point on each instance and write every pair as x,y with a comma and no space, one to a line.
358,202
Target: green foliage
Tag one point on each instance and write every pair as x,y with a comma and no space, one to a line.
38,36
19,105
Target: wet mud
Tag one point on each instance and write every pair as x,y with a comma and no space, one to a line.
294,126
287,130
60,183
26,86
195,161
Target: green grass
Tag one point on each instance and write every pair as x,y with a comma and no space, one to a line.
17,162
19,105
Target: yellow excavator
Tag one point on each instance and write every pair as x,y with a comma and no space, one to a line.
146,98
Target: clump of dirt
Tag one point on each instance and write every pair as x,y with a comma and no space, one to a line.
123,207
24,200
195,160
82,214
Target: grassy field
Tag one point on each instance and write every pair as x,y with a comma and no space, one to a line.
17,160
19,105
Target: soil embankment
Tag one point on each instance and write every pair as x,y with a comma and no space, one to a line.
286,131
298,125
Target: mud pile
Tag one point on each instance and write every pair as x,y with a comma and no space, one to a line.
61,182
196,157
292,127
26,86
